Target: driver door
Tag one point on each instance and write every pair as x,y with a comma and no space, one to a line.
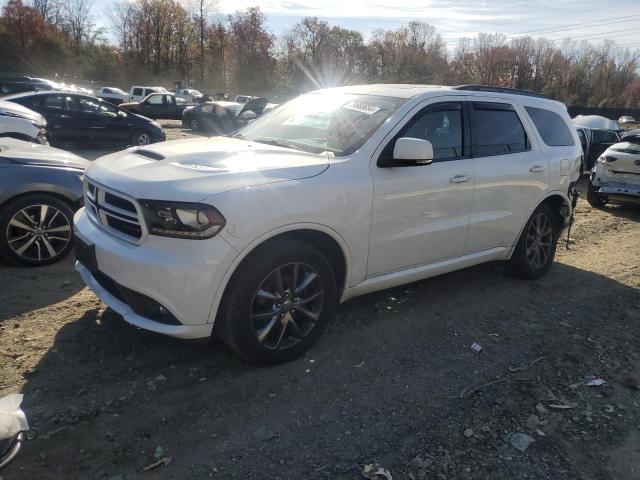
421,212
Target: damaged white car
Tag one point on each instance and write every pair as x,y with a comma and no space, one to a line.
615,177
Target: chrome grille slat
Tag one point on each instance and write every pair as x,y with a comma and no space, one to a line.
124,223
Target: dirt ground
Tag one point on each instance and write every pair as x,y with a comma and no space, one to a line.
393,381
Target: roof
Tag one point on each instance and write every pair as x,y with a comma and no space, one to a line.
596,121
404,90
15,96
399,90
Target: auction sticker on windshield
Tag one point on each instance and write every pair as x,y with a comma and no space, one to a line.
362,107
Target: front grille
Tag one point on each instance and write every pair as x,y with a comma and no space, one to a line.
113,211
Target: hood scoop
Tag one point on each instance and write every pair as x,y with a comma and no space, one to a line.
150,154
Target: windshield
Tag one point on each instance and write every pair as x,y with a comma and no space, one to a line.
316,122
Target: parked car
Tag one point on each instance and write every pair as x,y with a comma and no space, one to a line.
74,118
137,93
615,177
113,95
627,121
10,84
594,141
189,95
40,189
244,98
222,117
157,105
335,194
21,123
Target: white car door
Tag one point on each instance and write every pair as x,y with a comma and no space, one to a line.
421,212
511,172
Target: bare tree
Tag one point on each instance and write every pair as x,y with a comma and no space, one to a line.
203,11
77,19
51,11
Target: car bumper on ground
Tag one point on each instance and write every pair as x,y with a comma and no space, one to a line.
181,276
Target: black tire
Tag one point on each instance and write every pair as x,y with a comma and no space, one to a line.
194,124
236,326
523,262
42,237
141,138
595,200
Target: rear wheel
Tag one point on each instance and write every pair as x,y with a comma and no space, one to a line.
595,200
195,125
36,229
536,247
278,303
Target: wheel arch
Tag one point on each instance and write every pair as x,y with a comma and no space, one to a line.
63,195
558,201
325,239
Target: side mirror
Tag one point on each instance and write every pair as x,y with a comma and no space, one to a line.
414,150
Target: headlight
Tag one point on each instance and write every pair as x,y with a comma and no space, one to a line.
182,220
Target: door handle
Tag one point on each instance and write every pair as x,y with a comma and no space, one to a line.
62,115
460,179
537,169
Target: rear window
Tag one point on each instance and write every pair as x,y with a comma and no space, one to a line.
496,129
551,127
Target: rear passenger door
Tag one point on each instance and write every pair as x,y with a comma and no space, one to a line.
511,173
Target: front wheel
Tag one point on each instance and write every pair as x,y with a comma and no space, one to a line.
278,303
195,125
536,247
141,138
36,229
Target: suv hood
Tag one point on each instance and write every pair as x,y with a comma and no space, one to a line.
26,153
11,109
194,169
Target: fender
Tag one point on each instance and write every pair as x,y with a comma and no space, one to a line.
59,190
551,193
265,237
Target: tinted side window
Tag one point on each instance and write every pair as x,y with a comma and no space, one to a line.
106,90
604,136
496,129
442,128
137,91
30,102
148,91
57,103
551,127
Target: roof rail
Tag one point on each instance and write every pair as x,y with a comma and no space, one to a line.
511,91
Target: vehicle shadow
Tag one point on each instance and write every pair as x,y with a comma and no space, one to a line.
30,288
391,367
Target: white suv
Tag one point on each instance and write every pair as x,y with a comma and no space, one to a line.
337,193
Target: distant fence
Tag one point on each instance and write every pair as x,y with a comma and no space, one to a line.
610,113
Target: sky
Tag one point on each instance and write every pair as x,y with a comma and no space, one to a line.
579,19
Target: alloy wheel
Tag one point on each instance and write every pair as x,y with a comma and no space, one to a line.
195,125
144,139
286,306
539,241
38,232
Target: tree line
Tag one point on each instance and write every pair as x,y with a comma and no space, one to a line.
171,42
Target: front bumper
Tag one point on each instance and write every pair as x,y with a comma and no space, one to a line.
181,275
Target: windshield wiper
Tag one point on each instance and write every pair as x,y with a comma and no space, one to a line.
275,142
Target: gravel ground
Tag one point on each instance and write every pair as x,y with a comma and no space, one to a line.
393,381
